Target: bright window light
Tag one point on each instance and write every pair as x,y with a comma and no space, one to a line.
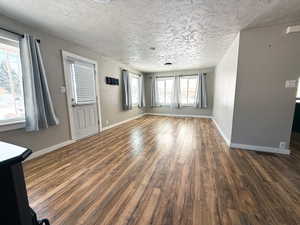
11,86
164,90
135,89
188,86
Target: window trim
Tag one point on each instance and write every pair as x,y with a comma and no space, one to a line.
189,77
13,125
16,123
135,76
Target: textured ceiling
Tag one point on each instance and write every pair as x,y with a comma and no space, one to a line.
188,33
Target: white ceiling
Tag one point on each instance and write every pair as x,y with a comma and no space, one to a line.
188,33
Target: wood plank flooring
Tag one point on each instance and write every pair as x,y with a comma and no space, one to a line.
163,171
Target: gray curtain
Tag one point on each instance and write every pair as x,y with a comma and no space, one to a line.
39,111
154,95
201,95
176,93
126,91
142,92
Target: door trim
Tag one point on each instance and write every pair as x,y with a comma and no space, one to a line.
65,56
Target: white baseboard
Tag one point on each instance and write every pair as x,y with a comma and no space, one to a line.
178,115
260,148
221,132
124,121
49,149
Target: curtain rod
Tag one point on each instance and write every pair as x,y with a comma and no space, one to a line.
139,74
183,75
15,33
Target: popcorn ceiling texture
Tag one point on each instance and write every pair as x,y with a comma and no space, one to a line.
188,33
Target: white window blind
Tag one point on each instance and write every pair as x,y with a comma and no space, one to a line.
83,78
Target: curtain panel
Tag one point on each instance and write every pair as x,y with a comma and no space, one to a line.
142,92
39,110
201,95
154,94
126,91
175,98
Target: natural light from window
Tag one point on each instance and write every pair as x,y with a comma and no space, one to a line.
135,89
11,86
164,90
188,86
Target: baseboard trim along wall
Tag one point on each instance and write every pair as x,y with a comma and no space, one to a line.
221,132
261,148
250,147
124,121
179,115
49,149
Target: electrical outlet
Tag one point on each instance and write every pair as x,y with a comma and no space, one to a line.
282,145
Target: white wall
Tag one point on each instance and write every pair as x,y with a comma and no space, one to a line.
225,84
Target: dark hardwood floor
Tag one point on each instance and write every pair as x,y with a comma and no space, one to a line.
164,171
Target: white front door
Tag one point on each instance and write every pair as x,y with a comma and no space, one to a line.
82,97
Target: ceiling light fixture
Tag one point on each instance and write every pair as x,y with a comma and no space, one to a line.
152,48
102,1
168,64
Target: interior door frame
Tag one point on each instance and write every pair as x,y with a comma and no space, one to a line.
65,56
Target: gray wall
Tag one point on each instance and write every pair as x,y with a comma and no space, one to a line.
183,110
264,108
111,96
51,49
225,83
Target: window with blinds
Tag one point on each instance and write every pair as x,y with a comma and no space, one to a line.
83,83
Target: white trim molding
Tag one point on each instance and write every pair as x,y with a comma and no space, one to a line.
12,126
221,132
124,121
49,149
179,115
260,148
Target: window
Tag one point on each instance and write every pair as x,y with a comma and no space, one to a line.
164,90
188,87
135,89
11,86
83,83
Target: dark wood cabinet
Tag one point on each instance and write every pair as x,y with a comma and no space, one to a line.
15,209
